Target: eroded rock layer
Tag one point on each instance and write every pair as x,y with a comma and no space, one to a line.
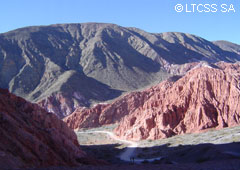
103,114
206,97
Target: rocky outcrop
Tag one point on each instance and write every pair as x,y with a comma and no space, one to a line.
204,98
103,114
31,137
96,60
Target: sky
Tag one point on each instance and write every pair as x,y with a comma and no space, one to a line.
209,19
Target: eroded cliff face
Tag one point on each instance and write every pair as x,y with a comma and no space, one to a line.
103,114
31,137
204,98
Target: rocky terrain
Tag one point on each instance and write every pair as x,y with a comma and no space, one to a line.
65,66
206,97
31,137
103,114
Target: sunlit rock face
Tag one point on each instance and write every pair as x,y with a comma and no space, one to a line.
206,97
103,113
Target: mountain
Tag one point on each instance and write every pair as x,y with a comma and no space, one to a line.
228,46
31,137
65,66
206,97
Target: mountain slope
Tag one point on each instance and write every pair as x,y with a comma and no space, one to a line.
103,114
204,98
53,64
228,46
31,137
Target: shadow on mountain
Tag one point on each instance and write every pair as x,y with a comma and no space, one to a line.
90,88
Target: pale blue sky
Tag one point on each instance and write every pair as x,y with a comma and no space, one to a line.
150,15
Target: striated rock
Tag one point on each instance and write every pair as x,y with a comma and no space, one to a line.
204,98
103,114
31,137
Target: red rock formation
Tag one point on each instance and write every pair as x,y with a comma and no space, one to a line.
204,98
31,137
103,114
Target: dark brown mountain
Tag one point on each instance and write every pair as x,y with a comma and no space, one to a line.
66,66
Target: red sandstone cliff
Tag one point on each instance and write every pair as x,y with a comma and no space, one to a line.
103,114
204,98
31,137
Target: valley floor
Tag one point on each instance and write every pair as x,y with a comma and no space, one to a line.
212,150
189,150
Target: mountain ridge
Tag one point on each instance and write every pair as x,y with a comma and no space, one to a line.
45,61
